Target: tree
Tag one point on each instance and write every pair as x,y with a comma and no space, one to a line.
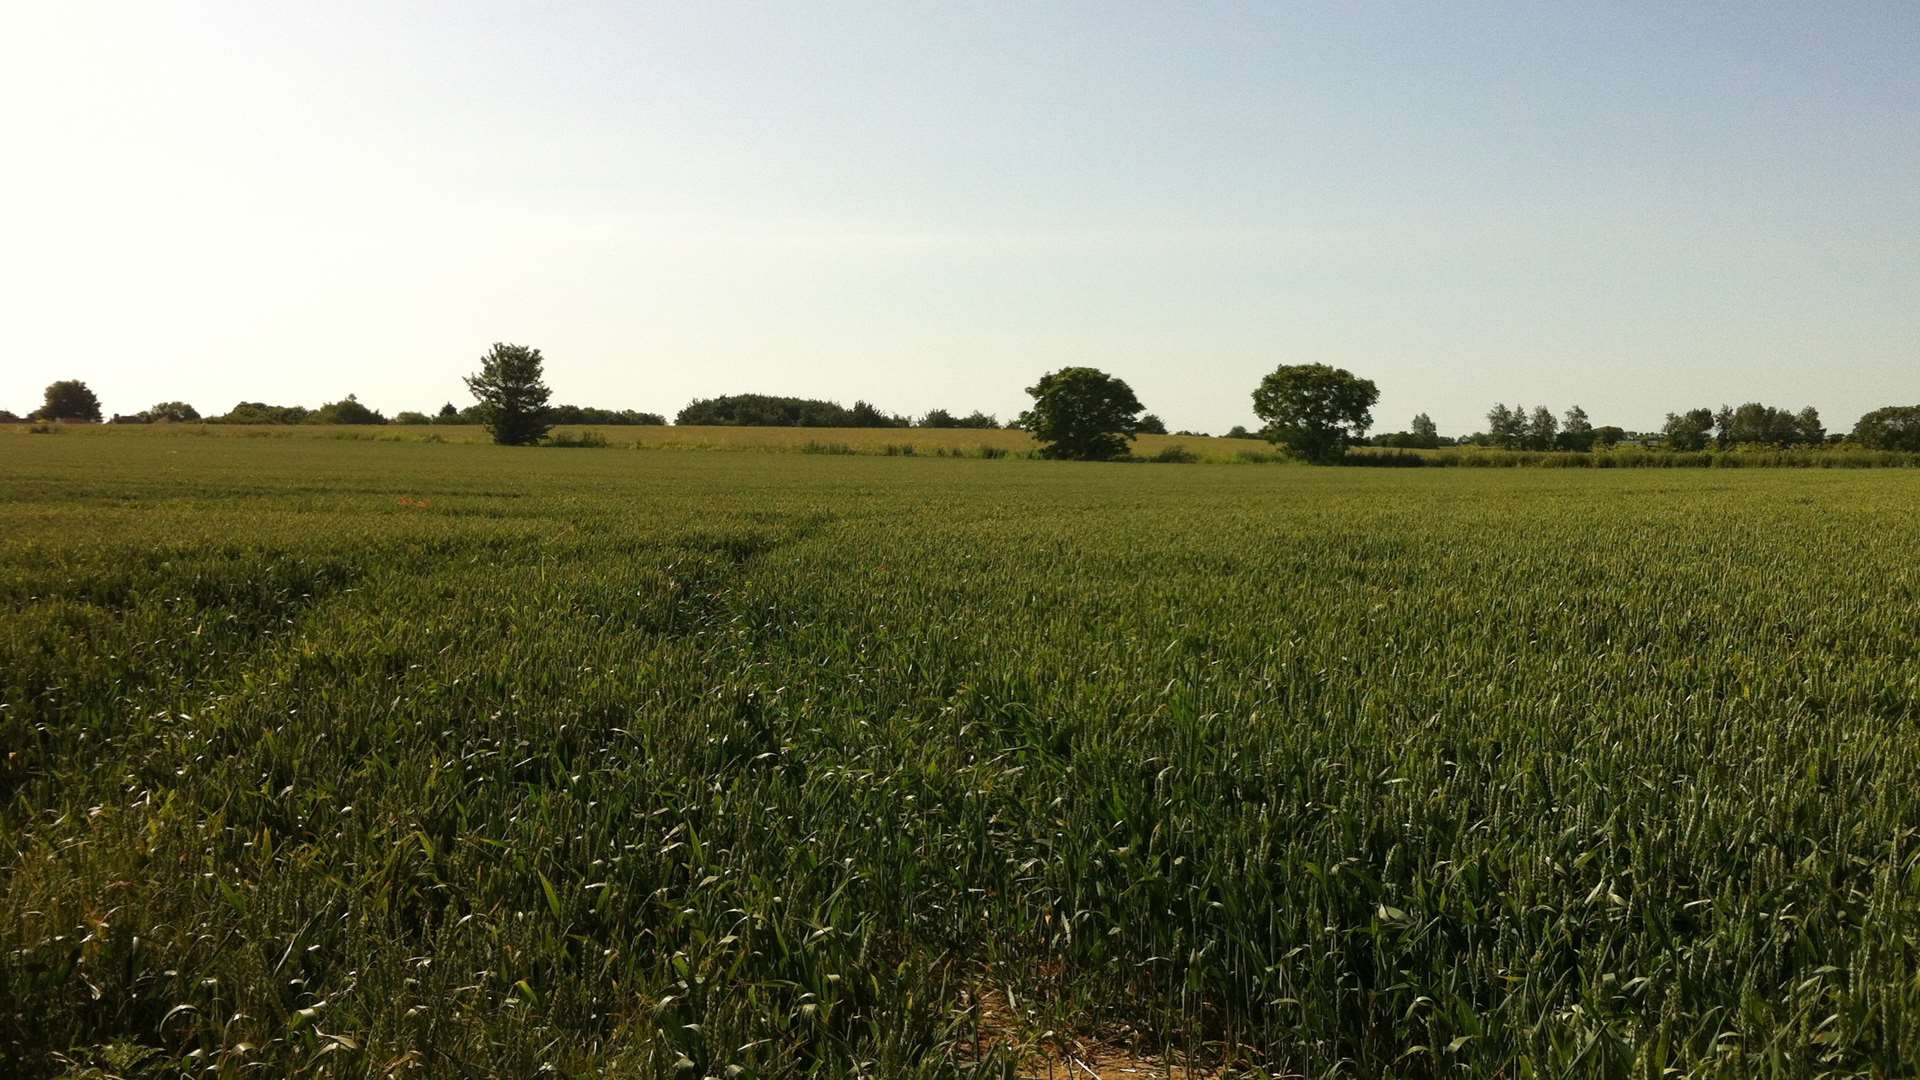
1608,435
1239,431
765,410
1723,427
1082,414
867,415
259,412
447,414
411,418
1508,428
1314,410
1689,430
69,399
1808,426
1426,434
7,417
347,411
1542,429
1576,431
1151,425
1895,427
512,397
588,414
176,412
1757,424
941,418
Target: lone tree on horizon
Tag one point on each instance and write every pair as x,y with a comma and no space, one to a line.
512,396
1314,409
1082,414
70,399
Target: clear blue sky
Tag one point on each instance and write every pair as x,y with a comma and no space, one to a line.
1633,207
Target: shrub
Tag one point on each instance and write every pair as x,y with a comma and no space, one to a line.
348,410
764,410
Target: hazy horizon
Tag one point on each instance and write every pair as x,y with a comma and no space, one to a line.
1633,208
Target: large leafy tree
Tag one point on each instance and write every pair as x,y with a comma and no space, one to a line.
1507,428
1314,410
512,395
347,411
1688,430
1754,423
1426,433
1896,427
1082,414
70,399
1576,430
177,412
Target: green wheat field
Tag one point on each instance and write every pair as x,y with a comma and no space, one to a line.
367,758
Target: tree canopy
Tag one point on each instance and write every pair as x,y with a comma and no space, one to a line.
1082,414
1314,410
348,410
1896,427
512,395
71,400
767,410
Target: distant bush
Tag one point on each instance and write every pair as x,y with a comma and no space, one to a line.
941,418
1397,458
1175,455
410,417
41,427
763,410
348,410
899,450
584,414
259,412
174,412
813,447
587,440
993,453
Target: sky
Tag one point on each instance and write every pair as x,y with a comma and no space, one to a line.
1639,208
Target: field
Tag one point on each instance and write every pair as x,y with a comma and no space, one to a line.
393,757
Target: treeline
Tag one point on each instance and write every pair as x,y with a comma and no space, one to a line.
350,410
1312,411
767,410
1752,425
1513,428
